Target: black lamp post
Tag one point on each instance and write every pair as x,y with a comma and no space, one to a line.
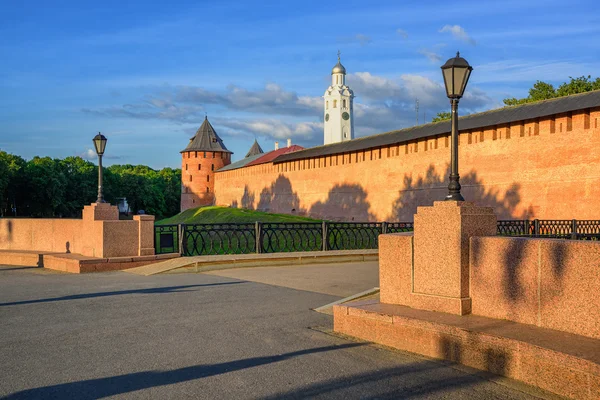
100,144
456,73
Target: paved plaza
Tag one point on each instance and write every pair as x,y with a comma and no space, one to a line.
235,334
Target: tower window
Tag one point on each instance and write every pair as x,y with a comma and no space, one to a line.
214,155
335,104
204,154
199,167
186,167
327,105
196,154
212,167
207,178
190,178
344,103
207,189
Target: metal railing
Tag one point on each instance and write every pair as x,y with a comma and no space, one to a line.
214,239
166,239
551,228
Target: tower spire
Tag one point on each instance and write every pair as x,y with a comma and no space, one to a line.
338,107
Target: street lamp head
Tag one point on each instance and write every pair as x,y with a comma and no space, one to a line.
100,143
456,73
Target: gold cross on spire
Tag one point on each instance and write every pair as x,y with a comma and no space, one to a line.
339,55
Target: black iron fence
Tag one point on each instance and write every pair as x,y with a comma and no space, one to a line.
551,228
214,239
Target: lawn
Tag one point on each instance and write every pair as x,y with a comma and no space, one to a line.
221,215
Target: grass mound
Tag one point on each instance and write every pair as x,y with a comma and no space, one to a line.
220,215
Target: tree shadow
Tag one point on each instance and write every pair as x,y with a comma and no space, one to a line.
513,259
247,200
279,197
428,383
115,385
158,290
433,186
345,202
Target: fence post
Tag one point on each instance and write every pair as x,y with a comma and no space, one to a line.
180,231
574,229
384,228
536,227
324,233
257,233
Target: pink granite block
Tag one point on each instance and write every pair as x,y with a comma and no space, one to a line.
538,371
100,212
441,246
120,260
146,234
395,267
570,286
504,278
120,238
359,312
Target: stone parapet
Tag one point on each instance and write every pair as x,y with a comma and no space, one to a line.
100,212
561,363
550,283
430,268
99,233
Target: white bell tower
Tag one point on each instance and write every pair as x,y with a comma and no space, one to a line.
338,107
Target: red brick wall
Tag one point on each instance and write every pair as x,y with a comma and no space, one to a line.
197,177
547,168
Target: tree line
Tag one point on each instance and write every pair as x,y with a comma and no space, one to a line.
544,91
51,187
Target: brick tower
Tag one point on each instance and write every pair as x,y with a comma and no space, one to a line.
204,155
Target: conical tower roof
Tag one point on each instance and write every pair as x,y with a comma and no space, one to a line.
206,139
254,150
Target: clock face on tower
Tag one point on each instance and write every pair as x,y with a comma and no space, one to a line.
345,116
326,117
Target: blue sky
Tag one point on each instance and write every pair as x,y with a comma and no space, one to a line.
145,74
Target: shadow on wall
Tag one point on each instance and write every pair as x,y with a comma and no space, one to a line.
496,361
247,200
279,197
423,191
345,202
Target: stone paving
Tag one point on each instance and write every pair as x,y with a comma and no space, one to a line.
120,335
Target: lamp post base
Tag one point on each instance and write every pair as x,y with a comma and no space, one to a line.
454,197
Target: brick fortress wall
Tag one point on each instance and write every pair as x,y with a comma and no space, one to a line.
544,168
197,176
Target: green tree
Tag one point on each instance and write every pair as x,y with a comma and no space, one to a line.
82,185
46,187
12,183
581,84
442,116
544,91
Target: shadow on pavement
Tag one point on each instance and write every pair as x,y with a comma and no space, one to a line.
16,268
115,385
374,383
158,290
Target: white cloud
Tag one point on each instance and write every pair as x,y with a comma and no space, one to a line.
371,86
432,56
402,33
272,128
383,104
458,32
363,39
89,155
359,38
